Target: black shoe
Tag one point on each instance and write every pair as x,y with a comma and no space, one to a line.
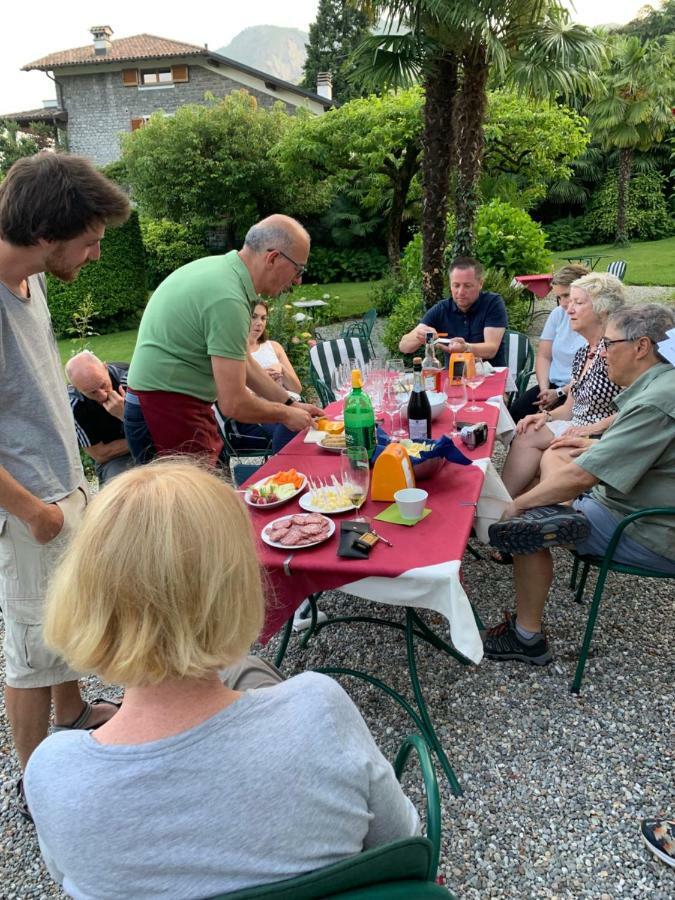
504,642
21,803
659,836
538,528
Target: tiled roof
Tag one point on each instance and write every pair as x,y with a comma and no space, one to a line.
140,46
42,114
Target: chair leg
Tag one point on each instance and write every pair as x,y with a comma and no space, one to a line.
590,625
579,596
475,553
575,570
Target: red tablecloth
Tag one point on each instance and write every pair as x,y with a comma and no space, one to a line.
434,543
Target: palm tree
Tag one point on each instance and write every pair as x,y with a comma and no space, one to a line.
454,46
632,109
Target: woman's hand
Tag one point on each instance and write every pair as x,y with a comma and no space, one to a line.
582,430
547,397
536,421
276,373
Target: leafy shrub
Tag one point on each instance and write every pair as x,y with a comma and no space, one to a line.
568,234
168,246
296,335
116,283
647,216
386,293
517,301
509,239
406,314
329,265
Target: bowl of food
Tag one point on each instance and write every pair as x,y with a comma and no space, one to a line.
425,468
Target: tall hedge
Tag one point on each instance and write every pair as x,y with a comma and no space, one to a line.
116,283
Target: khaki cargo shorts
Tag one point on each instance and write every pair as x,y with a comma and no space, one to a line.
25,570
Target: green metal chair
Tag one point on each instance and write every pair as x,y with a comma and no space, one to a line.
520,360
607,564
362,329
261,449
323,391
618,268
404,869
326,356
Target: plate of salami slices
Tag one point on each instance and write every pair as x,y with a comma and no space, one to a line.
298,531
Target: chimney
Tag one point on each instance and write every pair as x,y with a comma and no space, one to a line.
324,85
102,42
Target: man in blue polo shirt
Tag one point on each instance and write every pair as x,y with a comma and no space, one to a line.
475,320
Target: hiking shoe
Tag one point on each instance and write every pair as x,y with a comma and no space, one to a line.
504,642
659,836
20,802
538,528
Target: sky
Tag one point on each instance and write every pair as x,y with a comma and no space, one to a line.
34,29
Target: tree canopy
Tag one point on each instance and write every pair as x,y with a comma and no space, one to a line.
208,164
334,35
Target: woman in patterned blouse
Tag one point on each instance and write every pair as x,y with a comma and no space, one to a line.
588,409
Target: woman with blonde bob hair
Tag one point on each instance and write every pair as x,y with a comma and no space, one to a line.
588,409
196,786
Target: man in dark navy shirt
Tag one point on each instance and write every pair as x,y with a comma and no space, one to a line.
473,319
96,393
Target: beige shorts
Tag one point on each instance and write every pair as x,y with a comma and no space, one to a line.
25,569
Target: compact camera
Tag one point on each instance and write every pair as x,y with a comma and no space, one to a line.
474,435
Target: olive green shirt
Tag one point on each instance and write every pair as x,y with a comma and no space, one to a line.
635,460
201,310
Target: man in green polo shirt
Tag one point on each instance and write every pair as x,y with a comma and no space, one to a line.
192,347
632,467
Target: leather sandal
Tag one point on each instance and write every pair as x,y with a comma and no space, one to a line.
81,721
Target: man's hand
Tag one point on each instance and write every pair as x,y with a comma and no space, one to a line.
575,445
535,421
296,417
47,523
511,511
581,430
457,345
315,411
421,332
114,403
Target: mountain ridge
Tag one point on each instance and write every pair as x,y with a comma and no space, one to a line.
273,49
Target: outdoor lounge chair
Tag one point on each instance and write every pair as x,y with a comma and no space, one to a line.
618,268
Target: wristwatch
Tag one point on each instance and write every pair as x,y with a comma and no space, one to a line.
560,392
289,401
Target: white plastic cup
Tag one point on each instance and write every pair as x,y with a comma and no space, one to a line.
411,502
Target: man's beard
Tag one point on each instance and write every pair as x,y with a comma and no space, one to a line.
56,266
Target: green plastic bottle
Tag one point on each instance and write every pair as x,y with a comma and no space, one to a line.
359,417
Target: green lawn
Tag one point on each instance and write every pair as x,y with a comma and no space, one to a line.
651,262
349,300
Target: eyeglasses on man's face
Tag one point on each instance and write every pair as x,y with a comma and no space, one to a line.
298,267
606,343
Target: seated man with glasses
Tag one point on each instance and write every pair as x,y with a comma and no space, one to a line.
632,467
192,348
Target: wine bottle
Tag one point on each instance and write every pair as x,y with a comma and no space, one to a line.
359,417
419,408
431,367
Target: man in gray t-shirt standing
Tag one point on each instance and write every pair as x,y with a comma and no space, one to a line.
53,213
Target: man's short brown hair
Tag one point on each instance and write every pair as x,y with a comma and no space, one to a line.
57,197
467,262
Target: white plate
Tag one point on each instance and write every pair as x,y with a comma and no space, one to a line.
331,449
306,503
260,483
271,543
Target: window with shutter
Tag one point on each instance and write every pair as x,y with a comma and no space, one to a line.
179,73
129,77
137,123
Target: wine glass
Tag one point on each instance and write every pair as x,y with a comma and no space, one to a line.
340,382
391,404
355,469
474,381
456,399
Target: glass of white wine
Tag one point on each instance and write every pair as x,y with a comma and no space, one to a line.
474,381
456,399
355,469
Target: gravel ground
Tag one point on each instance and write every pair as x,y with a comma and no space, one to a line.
554,785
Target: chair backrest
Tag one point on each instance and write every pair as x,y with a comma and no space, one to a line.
369,318
326,356
404,860
519,357
618,268
324,393
241,472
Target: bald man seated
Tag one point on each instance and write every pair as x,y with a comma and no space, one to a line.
96,393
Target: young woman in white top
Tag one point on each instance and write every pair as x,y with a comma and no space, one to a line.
272,357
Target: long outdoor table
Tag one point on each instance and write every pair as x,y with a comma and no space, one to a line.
421,570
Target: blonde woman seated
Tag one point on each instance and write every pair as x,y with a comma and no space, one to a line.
274,360
195,787
588,409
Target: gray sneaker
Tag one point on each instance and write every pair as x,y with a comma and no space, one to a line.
538,528
504,642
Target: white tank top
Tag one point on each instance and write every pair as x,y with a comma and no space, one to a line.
265,355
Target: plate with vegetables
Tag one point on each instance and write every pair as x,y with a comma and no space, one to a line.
276,489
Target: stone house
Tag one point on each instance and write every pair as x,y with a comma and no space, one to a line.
112,86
